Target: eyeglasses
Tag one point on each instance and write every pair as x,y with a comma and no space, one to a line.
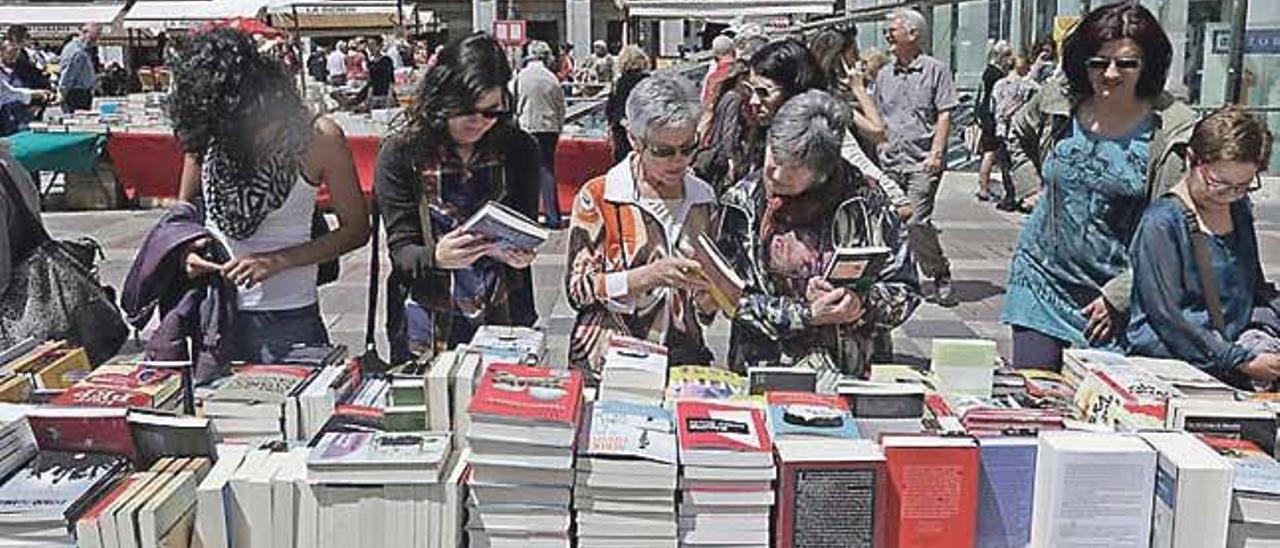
490,114
663,151
1122,63
1218,185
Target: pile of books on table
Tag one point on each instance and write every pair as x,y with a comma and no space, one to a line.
726,473
524,423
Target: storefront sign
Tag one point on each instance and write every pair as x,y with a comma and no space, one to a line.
1256,41
510,33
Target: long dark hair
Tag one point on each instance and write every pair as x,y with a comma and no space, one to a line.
791,65
226,92
465,70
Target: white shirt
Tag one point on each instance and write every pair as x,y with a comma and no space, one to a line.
336,63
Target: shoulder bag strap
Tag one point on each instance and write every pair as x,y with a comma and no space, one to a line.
1212,301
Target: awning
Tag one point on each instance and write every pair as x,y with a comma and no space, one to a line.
722,9
60,20
186,14
337,16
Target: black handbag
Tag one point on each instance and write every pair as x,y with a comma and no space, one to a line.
53,292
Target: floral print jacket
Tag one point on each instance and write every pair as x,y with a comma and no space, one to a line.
772,325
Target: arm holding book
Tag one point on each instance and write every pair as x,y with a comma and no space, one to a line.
399,191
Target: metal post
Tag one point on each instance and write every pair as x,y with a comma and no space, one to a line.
1239,18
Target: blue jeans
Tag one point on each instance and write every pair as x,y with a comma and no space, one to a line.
266,336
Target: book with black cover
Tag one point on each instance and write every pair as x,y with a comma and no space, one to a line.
508,227
856,267
162,435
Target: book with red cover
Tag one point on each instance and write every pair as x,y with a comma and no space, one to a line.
722,434
518,393
122,386
831,492
83,429
932,491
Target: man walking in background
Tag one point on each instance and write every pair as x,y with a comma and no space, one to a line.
916,97
78,75
722,48
540,111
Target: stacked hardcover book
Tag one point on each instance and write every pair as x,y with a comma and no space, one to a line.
624,493
726,474
635,371
259,402
524,422
124,386
1254,519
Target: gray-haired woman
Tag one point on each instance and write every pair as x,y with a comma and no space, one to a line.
631,228
781,226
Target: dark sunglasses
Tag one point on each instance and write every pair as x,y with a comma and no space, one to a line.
1103,63
686,150
491,114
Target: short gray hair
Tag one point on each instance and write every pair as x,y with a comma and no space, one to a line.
911,19
1000,50
809,129
661,100
541,51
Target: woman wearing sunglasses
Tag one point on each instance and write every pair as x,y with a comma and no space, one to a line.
782,224
631,230
455,149
1196,274
1097,152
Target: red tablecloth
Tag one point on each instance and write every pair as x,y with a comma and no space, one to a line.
149,165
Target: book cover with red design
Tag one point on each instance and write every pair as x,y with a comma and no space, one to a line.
711,427
529,394
932,491
83,429
122,386
819,479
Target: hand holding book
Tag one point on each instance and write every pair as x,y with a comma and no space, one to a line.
461,248
830,305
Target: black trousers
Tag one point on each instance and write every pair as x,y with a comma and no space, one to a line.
547,142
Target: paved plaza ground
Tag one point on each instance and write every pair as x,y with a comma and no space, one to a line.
978,238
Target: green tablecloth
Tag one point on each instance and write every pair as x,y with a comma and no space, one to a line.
77,152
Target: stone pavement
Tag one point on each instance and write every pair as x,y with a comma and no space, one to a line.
978,238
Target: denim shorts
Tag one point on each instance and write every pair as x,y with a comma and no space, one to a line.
266,336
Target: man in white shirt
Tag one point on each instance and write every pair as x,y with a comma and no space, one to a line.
540,111
337,65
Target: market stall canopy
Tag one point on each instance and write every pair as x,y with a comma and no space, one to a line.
250,26
188,14
320,17
47,21
724,9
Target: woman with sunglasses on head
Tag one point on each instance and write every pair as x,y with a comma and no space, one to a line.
1097,152
1206,222
632,229
255,158
782,224
455,149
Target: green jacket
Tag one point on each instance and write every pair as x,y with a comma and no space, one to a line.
1044,120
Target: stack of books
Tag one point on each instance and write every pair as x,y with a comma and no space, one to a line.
702,382
406,409
146,509
380,489
1254,519
17,445
510,344
1093,489
624,493
40,502
635,371
318,399
125,386
831,492
43,370
805,414
523,427
726,474
259,402
1124,396
880,407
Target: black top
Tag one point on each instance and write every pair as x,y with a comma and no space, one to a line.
986,116
382,73
615,110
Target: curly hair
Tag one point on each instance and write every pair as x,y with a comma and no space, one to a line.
466,69
226,92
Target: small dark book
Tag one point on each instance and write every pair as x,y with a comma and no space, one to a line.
159,435
508,227
856,267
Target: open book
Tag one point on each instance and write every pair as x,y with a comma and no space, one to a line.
726,285
856,267
511,229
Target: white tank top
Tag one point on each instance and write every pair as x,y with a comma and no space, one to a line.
287,226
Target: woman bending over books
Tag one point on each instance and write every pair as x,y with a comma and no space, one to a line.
784,227
453,151
1198,290
633,228
255,157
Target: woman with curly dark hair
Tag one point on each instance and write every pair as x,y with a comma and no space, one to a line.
452,151
255,157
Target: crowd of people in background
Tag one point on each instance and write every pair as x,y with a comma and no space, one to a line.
784,151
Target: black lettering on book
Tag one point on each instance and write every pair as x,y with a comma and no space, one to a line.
833,508
719,426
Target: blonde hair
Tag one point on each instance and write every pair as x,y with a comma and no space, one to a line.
632,58
1231,134
875,58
